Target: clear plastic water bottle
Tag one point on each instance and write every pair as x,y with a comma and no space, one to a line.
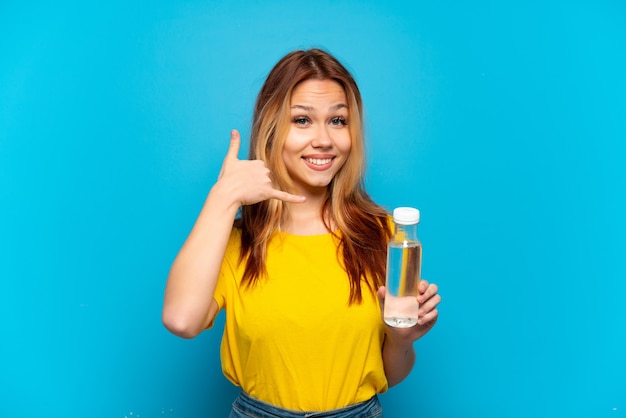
404,262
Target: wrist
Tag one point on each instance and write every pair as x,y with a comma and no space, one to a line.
223,196
398,338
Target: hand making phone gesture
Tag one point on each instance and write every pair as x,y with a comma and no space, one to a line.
188,307
247,182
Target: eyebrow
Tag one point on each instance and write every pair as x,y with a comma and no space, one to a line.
311,108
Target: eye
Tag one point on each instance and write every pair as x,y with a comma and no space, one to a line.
301,120
339,121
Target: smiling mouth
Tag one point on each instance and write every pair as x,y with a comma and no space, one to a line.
318,161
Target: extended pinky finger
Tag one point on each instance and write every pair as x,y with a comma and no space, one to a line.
287,197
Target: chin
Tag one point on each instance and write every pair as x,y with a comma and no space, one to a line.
320,183
315,187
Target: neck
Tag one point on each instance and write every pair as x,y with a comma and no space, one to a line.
306,218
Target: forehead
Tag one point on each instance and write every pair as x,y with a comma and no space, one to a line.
318,92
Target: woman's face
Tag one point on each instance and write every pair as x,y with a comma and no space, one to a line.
318,142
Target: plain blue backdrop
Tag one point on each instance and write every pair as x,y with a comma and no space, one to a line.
504,122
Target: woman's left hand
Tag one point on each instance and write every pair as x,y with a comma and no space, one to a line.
428,298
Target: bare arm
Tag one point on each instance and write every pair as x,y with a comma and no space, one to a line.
398,359
189,306
398,352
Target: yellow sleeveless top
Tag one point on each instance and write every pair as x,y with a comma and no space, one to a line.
293,340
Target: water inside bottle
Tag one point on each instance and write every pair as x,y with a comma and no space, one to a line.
403,275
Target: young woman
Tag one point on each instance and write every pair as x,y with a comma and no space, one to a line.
300,271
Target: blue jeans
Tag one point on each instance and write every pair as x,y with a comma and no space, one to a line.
246,406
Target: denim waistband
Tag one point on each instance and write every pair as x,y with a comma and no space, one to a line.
245,406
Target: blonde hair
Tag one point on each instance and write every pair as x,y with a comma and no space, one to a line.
363,225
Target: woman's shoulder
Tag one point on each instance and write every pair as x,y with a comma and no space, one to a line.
234,241
235,232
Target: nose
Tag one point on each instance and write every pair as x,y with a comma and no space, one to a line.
322,138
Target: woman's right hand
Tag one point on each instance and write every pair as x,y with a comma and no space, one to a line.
187,310
247,182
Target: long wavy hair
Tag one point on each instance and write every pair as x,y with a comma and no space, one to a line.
362,227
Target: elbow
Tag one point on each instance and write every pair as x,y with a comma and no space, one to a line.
179,325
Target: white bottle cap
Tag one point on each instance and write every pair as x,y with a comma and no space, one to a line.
406,216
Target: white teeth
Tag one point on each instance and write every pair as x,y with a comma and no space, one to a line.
318,161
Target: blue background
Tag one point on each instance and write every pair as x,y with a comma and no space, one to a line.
504,122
